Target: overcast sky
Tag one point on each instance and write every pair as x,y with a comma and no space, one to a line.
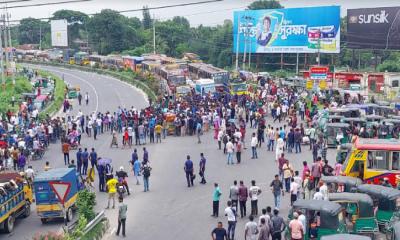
206,14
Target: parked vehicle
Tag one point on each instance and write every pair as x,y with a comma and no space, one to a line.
341,183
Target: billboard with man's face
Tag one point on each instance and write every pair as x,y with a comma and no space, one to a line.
375,28
291,30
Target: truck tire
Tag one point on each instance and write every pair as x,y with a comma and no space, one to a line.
27,210
43,220
9,224
70,214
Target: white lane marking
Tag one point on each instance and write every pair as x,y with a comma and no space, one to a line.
83,80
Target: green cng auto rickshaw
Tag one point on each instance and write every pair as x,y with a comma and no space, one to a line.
335,129
343,151
385,198
374,118
355,121
341,183
329,214
360,210
345,237
335,118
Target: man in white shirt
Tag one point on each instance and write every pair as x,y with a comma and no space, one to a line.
253,145
230,212
229,150
318,195
324,191
294,188
254,191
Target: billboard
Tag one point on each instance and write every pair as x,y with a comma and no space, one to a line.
375,28
291,30
59,33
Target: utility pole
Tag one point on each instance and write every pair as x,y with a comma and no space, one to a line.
297,64
3,20
40,36
237,43
250,54
12,63
154,35
1,60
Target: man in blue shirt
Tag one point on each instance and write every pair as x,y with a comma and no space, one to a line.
134,156
85,161
189,171
219,233
202,168
145,155
79,160
93,158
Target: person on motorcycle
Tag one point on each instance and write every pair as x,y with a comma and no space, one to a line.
121,174
37,148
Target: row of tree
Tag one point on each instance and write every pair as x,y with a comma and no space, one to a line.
111,32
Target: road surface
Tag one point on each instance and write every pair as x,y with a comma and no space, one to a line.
170,210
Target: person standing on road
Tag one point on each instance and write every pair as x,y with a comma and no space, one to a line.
146,170
122,210
202,168
234,195
79,98
136,170
189,171
277,188
229,150
158,129
296,228
85,161
278,226
250,229
112,189
243,195
93,158
230,212
219,233
238,150
216,196
265,230
254,192
87,98
287,174
145,155
253,145
66,148
79,160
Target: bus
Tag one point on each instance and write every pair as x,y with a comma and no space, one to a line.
374,159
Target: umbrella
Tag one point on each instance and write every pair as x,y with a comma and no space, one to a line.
104,161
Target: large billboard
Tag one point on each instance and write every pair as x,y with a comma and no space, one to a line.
376,28
291,30
59,33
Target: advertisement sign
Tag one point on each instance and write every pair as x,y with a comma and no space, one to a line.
309,84
376,82
290,30
346,79
319,72
59,33
376,28
322,84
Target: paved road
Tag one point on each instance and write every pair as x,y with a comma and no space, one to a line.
170,210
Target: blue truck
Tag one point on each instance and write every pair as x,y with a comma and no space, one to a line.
47,204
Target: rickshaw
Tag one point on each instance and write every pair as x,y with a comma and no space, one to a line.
170,119
348,183
335,129
360,210
345,112
343,151
345,237
329,213
384,111
374,118
356,121
334,118
386,199
73,92
394,233
394,126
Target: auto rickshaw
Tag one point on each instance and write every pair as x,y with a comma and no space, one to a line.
73,92
341,183
394,233
385,198
360,210
335,118
335,129
329,214
345,237
345,112
374,118
343,151
384,111
355,121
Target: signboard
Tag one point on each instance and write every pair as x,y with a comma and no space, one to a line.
319,72
376,28
322,84
289,30
59,33
61,189
376,82
344,79
309,84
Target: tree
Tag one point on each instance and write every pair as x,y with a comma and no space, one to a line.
147,20
264,4
32,30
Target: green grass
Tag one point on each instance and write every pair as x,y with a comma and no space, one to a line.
54,106
22,85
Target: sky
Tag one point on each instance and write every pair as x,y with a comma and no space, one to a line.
209,14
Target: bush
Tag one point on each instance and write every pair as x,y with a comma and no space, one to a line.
58,96
85,203
22,85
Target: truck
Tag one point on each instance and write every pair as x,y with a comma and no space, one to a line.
48,205
15,199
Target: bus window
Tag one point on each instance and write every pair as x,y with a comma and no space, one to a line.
356,168
395,160
378,160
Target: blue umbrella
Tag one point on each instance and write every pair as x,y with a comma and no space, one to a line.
104,161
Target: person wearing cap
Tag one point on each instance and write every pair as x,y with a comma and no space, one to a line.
121,174
296,228
386,182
